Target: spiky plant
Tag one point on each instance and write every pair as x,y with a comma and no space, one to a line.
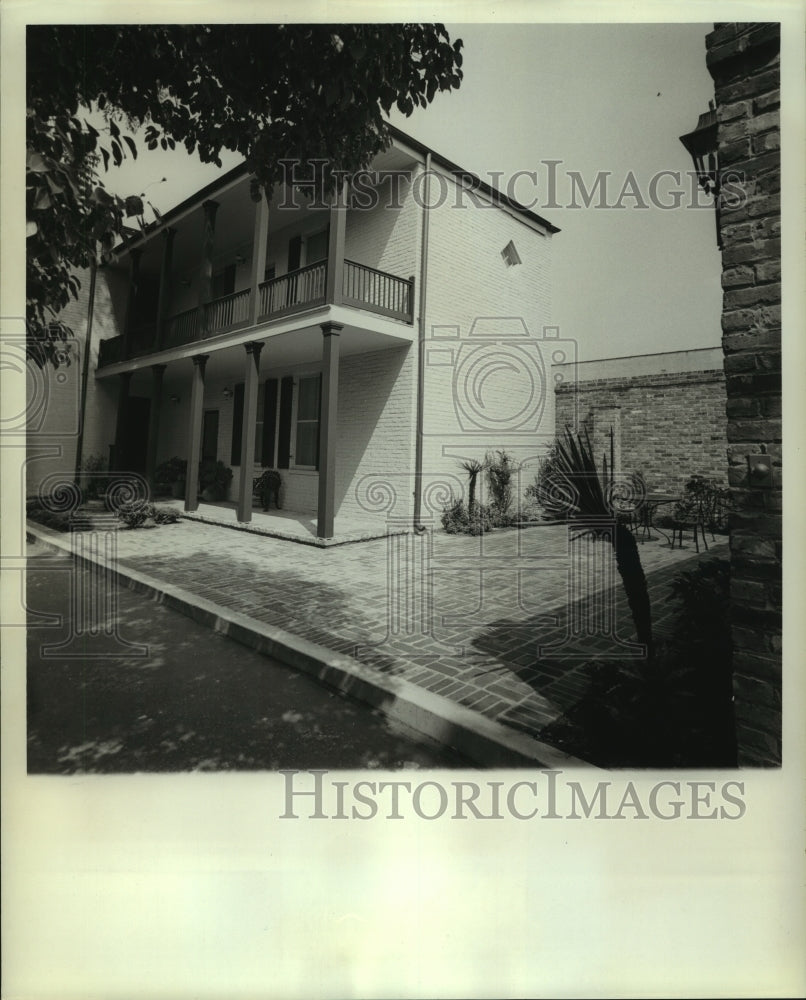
576,490
472,467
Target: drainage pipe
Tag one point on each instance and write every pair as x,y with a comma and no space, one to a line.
85,370
419,527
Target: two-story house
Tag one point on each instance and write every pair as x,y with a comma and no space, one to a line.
357,346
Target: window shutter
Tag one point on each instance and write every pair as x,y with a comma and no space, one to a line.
284,434
269,422
237,424
319,423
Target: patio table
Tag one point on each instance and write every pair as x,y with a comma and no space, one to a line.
649,506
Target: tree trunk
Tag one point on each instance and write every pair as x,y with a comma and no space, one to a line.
631,571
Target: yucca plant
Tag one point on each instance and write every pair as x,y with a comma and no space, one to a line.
472,467
576,491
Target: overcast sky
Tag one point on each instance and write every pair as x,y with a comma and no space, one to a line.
598,98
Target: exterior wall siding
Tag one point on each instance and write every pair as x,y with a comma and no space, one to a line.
744,61
482,314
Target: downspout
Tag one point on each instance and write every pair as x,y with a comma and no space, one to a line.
85,371
419,527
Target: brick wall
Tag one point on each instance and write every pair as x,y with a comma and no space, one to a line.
744,62
671,425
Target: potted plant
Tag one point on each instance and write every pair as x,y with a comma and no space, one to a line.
214,480
169,477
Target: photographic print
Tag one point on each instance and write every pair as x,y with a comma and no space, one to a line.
401,439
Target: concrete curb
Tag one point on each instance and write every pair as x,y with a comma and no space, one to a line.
481,740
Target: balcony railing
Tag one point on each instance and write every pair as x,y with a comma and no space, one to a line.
378,291
294,291
362,286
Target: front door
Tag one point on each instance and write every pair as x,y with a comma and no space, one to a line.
209,448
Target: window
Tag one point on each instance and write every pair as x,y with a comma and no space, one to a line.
307,423
287,411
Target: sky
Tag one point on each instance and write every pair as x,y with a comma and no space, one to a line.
597,97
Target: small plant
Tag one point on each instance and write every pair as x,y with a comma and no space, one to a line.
456,519
169,476
214,479
94,481
500,468
472,467
145,515
546,485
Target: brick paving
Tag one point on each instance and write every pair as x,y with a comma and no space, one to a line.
494,623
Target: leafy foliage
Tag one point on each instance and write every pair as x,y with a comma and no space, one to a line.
500,468
266,91
146,515
458,520
473,467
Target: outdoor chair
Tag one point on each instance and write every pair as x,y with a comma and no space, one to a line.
267,486
690,514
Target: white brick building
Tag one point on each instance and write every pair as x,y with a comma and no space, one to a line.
399,333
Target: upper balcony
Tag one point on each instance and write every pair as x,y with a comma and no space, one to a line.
228,265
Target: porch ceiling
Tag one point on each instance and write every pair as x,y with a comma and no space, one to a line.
297,347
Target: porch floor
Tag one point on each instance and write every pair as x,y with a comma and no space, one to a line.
291,525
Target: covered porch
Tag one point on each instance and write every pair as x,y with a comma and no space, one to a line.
315,399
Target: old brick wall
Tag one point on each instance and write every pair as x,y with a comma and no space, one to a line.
744,61
671,425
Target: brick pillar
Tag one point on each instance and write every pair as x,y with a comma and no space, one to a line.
744,61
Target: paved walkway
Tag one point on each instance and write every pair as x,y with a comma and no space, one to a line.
503,624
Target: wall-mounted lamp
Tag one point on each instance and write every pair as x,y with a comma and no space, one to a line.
240,259
759,470
227,393
174,399
702,147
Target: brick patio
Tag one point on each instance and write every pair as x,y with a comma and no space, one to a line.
467,618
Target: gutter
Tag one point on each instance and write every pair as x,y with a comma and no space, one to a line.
85,371
419,527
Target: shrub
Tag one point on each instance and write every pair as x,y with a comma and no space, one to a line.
457,520
96,476
543,490
215,476
500,467
169,472
146,515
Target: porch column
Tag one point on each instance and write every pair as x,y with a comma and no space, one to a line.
259,238
250,393
157,371
116,464
328,427
206,268
165,285
134,278
335,247
195,432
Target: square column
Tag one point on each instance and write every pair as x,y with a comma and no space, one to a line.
335,247
328,430
195,432
206,266
157,371
134,280
259,240
165,285
250,394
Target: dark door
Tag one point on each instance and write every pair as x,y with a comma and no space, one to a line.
209,448
135,435
294,258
